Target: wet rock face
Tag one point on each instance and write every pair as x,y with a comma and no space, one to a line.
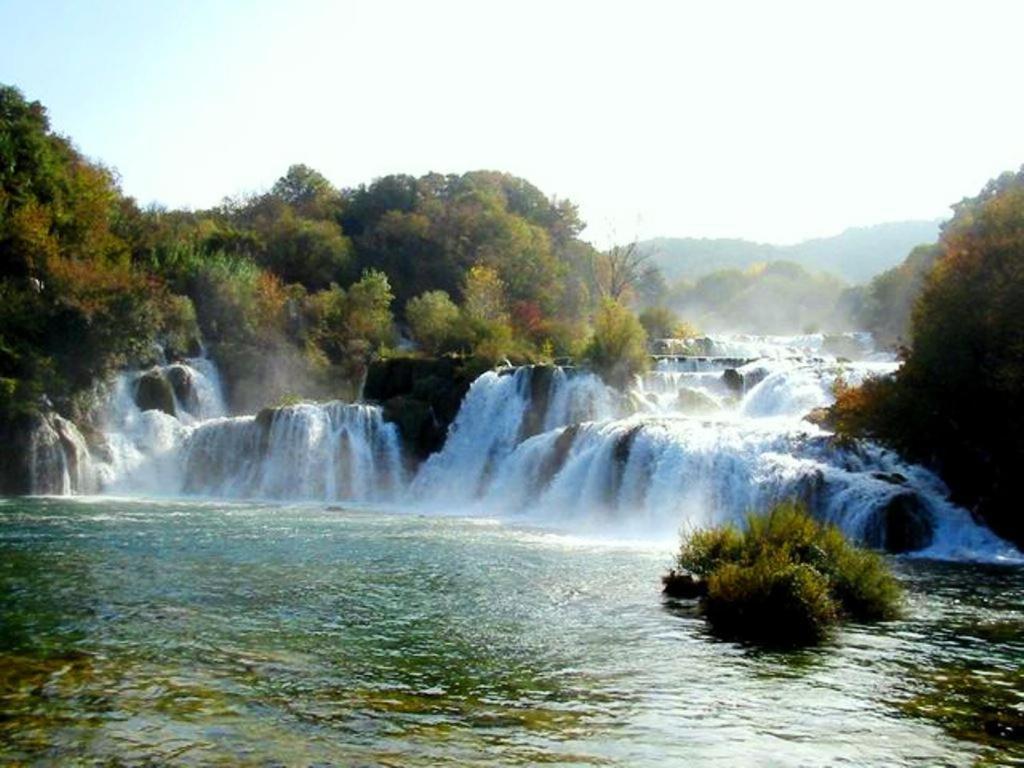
733,379
541,378
421,396
15,447
154,392
902,525
183,386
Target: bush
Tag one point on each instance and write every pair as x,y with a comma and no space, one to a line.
771,601
785,580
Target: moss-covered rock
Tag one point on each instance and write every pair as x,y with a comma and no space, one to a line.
153,392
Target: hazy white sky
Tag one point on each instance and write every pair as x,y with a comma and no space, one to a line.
774,121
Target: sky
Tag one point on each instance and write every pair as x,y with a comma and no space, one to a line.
772,121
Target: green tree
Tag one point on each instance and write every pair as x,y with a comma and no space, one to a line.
484,295
433,318
313,253
618,348
369,309
308,192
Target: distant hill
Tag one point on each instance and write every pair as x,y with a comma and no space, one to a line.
856,255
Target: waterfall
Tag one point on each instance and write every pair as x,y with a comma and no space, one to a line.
699,440
328,452
185,443
141,445
58,458
501,409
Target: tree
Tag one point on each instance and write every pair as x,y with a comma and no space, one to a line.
369,309
889,299
484,295
663,323
432,318
314,253
306,190
621,269
958,401
618,347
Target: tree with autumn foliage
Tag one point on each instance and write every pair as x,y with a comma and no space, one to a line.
72,306
958,401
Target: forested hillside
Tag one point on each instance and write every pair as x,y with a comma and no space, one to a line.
293,290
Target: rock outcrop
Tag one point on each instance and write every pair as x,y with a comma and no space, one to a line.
153,392
421,396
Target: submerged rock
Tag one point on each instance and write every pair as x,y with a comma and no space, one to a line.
153,392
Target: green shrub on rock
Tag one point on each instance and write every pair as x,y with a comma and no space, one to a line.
785,580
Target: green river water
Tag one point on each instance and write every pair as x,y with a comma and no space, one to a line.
197,633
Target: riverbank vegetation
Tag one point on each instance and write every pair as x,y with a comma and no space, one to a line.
783,580
957,404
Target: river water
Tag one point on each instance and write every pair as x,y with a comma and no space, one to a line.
291,588
239,633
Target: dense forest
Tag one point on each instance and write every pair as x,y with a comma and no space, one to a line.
292,290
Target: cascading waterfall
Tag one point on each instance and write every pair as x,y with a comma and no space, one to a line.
698,440
141,445
501,409
333,451
330,451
